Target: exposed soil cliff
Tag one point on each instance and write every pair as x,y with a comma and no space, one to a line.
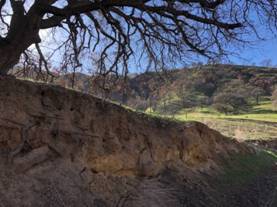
63,148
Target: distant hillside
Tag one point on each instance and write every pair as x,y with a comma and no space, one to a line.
227,88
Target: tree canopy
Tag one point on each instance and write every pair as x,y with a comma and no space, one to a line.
109,34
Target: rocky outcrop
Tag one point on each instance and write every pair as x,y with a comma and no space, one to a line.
63,148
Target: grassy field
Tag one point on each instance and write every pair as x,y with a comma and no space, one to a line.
262,112
258,123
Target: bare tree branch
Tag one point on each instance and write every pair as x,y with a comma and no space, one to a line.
108,34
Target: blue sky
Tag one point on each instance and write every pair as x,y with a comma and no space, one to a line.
258,52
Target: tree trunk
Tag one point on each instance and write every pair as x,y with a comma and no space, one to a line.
10,52
23,32
8,58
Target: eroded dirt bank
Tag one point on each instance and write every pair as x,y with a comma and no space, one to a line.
63,148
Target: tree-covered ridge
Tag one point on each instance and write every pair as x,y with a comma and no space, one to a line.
226,88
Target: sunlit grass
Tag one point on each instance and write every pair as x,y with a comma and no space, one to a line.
262,112
260,122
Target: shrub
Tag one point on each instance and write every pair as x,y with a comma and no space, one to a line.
224,108
230,102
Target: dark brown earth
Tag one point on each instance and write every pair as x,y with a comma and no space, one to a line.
62,148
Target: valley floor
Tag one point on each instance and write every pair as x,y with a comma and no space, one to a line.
260,123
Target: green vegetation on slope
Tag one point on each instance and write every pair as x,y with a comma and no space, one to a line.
244,168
